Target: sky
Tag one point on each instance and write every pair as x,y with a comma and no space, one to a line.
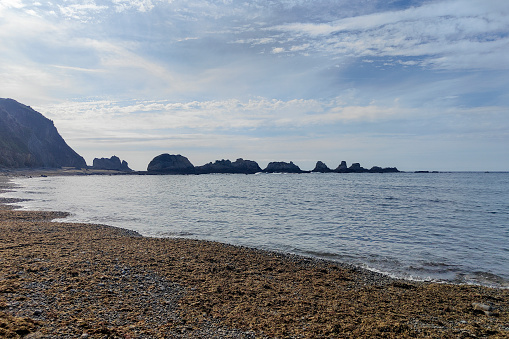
415,84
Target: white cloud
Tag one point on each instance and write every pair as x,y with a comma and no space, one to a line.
299,48
30,83
139,5
79,69
6,4
81,11
147,117
448,35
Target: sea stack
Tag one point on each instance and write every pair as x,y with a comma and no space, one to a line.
112,164
240,166
171,164
282,167
320,167
342,168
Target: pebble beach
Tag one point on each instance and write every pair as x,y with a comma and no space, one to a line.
68,280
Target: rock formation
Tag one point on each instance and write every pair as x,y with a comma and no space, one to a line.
282,167
178,164
320,167
376,169
29,140
226,166
171,164
342,168
112,163
356,168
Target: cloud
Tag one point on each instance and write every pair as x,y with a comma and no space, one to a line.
447,35
79,69
81,11
140,5
6,4
157,120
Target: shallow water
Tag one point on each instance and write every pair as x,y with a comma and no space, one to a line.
438,226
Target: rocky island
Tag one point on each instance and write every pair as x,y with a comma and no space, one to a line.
170,164
239,166
282,167
112,164
179,164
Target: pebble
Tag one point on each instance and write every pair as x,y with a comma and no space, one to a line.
487,309
482,307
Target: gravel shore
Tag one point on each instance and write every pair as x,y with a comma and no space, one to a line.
64,280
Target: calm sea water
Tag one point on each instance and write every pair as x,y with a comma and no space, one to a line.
447,226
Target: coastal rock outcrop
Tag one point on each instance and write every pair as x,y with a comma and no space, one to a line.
342,168
356,168
171,164
30,140
282,167
226,166
320,167
376,169
178,164
112,163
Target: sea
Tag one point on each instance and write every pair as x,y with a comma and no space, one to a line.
444,227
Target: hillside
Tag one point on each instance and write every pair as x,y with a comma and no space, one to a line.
28,140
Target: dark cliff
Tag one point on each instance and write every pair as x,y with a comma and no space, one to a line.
28,139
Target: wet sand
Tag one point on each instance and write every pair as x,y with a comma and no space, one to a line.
69,280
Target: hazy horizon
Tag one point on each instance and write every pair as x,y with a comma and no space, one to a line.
417,85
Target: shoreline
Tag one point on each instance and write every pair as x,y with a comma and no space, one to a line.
64,279
488,278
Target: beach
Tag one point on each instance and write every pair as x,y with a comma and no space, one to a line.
96,281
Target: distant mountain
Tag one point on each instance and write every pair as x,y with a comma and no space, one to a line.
28,139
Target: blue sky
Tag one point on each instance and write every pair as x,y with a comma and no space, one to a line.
421,85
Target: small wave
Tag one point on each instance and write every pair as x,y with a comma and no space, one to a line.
175,234
433,263
485,279
319,254
399,274
35,192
